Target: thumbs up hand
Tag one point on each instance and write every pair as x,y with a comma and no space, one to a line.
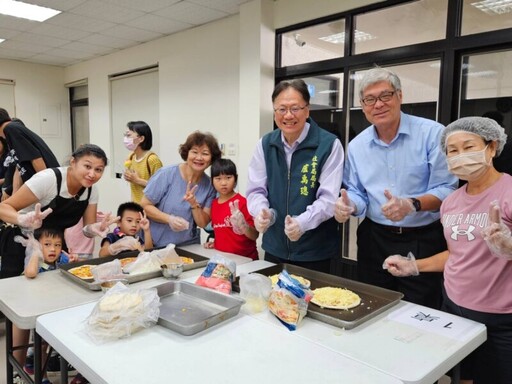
343,207
396,208
264,219
292,228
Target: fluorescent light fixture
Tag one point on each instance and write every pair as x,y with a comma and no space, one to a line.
2,40
437,64
339,38
494,7
490,74
26,11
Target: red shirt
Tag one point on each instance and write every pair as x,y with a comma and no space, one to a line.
225,239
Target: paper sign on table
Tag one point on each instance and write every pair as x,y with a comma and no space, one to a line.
431,320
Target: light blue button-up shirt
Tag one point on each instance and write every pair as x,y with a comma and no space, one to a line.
411,165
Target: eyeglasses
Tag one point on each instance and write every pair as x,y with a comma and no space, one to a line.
384,97
293,110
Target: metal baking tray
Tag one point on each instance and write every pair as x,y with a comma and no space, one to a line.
188,308
374,300
199,261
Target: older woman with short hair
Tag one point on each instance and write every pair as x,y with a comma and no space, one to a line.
178,198
477,222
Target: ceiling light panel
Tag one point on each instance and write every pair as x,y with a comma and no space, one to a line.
26,11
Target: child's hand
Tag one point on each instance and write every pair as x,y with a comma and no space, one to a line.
72,256
127,243
32,246
144,222
209,245
237,219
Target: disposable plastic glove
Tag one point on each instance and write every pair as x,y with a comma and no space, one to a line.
343,207
237,218
401,266
32,246
396,208
497,235
190,194
102,228
265,219
127,243
34,219
177,223
292,228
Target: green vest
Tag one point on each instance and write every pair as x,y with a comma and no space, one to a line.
291,192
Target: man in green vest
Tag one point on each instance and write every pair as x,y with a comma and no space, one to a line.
294,180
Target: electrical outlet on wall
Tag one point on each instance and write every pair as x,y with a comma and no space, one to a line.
231,149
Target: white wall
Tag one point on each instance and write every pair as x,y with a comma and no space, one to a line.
40,88
198,83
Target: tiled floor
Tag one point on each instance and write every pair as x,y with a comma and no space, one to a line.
54,377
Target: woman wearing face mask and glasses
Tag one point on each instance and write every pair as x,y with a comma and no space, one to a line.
477,222
142,163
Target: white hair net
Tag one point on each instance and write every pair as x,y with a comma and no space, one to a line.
487,129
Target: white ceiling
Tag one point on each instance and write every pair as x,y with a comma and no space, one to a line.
90,28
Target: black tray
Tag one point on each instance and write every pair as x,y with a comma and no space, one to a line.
199,261
374,300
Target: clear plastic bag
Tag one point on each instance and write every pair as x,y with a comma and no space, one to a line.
121,312
219,274
146,262
167,255
255,289
108,271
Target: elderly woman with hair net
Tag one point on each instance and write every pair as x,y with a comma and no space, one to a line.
477,266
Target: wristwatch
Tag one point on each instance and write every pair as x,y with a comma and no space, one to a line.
416,203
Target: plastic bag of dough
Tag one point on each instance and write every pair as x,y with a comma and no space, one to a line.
121,312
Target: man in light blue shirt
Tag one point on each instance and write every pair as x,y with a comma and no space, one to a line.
396,177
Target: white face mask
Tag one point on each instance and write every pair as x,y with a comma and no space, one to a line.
468,165
129,143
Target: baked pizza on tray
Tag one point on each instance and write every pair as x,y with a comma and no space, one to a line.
83,271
